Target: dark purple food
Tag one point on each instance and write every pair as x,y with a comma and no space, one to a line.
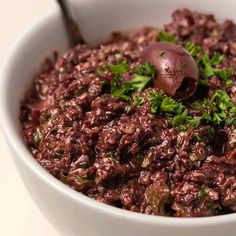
98,119
177,71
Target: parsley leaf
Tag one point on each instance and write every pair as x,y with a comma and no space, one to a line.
223,101
146,69
138,101
223,73
195,122
123,92
217,110
217,58
206,64
163,36
118,69
155,98
202,193
180,119
170,105
144,74
228,83
193,49
139,82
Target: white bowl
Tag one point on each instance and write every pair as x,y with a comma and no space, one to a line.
71,212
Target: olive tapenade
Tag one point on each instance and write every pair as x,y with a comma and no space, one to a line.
145,121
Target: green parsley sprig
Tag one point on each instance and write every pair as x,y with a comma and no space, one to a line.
217,110
138,101
164,36
142,77
207,64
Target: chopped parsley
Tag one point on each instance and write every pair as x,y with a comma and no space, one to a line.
143,75
139,82
207,64
163,36
170,105
176,110
202,193
156,99
118,69
124,91
211,205
228,83
195,122
163,103
218,109
226,108
138,101
83,165
146,69
215,111
180,119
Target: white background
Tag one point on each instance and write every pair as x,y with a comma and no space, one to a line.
18,214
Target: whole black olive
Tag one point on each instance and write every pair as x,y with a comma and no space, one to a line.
177,72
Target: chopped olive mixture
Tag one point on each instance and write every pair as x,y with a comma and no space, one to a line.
106,122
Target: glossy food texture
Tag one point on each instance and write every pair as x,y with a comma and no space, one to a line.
177,72
94,120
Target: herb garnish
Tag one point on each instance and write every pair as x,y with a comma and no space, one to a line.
146,69
206,64
228,83
180,118
156,99
202,193
118,69
163,36
170,105
161,103
143,75
217,110
211,205
138,101
84,165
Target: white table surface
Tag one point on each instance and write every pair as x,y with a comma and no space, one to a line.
18,213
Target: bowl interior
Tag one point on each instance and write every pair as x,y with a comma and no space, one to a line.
97,18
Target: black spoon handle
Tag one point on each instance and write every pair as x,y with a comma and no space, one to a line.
72,28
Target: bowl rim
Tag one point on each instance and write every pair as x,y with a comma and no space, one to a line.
14,141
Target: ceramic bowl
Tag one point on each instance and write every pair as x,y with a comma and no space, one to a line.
72,213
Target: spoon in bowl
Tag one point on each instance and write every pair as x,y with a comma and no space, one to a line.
72,29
